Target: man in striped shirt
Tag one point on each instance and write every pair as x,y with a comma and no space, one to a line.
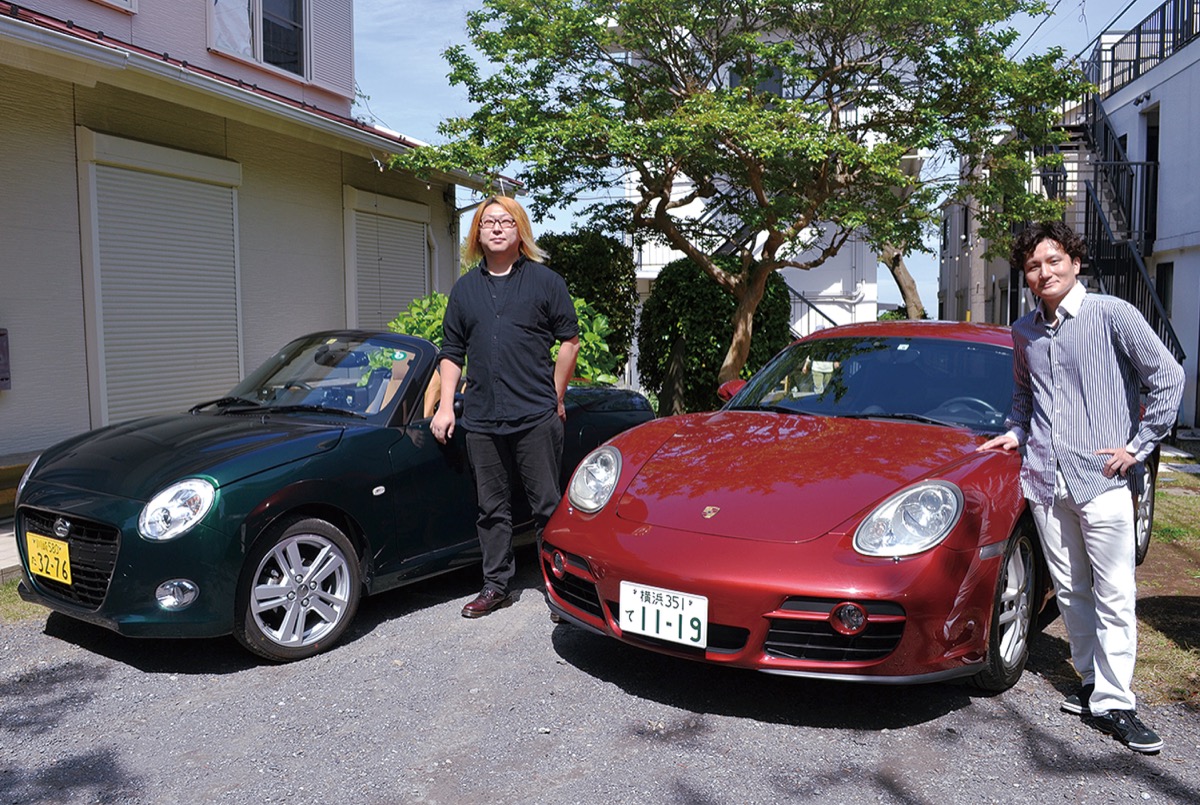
1080,361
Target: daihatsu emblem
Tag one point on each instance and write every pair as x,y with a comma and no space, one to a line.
710,512
61,528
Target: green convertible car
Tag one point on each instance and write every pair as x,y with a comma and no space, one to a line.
269,512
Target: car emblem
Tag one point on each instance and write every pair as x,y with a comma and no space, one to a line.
710,512
61,528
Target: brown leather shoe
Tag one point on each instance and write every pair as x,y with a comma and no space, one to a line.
486,602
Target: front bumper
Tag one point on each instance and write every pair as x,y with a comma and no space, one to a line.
115,572
769,603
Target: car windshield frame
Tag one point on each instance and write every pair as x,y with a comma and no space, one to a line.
349,375
920,379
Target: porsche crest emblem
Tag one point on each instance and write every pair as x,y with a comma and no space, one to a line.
710,512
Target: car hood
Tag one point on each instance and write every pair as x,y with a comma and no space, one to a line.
783,477
138,458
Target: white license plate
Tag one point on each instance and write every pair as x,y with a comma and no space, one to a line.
665,614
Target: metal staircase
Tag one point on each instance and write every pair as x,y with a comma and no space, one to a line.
1117,197
1118,215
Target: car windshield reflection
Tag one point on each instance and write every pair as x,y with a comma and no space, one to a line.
929,380
328,374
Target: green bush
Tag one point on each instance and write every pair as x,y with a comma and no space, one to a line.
686,328
596,363
600,269
423,318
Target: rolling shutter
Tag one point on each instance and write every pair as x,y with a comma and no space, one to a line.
167,288
391,266
387,254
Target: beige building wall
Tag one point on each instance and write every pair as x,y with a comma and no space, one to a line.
291,243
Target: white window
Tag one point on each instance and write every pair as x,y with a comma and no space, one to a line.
124,5
266,31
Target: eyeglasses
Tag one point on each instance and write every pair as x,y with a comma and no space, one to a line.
492,223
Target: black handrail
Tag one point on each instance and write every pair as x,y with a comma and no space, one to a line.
1163,32
1118,266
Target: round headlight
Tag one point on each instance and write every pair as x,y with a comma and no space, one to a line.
177,508
595,479
910,521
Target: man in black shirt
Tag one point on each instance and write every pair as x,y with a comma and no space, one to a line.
502,319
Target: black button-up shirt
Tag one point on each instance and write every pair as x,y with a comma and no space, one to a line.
501,329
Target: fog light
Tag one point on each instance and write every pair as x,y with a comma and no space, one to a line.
848,619
559,563
177,594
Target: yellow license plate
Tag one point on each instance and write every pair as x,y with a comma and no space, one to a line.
49,557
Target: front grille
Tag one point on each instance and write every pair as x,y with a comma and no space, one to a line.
93,548
797,639
576,591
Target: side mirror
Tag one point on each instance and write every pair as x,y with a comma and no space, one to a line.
729,388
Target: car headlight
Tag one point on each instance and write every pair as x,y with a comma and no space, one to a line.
910,521
177,508
24,478
595,479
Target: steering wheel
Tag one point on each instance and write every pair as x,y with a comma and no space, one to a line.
296,384
972,402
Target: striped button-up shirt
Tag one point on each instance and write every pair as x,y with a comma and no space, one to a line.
1077,385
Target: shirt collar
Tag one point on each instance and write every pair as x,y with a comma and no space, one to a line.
1070,304
521,258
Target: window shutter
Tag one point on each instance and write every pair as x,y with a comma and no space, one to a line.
391,266
332,41
167,272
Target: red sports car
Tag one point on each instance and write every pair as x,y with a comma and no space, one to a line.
832,520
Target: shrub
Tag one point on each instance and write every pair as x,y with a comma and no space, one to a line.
686,328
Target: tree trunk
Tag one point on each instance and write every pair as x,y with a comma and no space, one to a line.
748,293
893,257
670,401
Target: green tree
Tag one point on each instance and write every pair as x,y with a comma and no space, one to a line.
788,125
599,267
596,363
685,327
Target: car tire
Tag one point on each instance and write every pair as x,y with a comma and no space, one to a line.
1013,610
1143,512
299,590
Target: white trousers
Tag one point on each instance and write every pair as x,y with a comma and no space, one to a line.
1089,550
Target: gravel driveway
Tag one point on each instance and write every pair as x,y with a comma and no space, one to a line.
421,705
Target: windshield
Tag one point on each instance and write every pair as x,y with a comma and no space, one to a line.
942,381
352,375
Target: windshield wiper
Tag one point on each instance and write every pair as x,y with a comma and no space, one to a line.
316,409
224,402
928,420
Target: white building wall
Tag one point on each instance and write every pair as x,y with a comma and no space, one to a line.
41,291
1168,93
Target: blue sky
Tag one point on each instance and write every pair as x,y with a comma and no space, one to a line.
399,67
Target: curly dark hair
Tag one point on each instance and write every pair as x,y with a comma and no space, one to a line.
1057,231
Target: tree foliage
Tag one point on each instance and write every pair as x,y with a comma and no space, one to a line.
600,268
596,363
685,329
778,127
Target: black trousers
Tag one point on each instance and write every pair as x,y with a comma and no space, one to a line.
534,456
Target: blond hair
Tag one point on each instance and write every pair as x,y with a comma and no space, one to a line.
528,247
